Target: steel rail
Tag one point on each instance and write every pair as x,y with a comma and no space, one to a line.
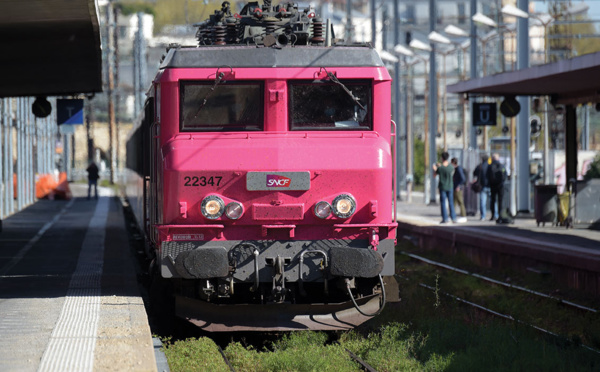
509,317
448,267
225,359
363,364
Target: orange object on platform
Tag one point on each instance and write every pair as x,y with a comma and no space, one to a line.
63,191
45,186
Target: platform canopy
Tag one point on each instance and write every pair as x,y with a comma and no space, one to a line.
570,81
49,47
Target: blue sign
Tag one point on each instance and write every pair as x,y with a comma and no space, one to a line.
484,114
69,111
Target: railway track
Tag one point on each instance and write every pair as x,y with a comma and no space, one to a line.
365,366
226,360
488,310
498,314
498,282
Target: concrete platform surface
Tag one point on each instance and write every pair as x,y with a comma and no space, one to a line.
571,255
69,298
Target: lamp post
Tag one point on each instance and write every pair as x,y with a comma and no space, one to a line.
402,50
436,37
508,10
462,47
480,18
545,20
409,127
430,119
457,32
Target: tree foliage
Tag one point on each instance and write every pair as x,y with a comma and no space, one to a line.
172,12
130,8
419,162
569,35
594,171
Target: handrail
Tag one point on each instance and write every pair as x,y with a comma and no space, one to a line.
363,225
394,171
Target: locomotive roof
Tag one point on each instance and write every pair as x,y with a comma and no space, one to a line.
253,56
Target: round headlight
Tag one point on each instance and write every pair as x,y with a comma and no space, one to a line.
322,209
344,206
234,210
212,207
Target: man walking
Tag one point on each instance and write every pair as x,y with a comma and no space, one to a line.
480,173
93,175
496,175
446,187
459,180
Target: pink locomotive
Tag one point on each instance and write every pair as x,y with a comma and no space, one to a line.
264,167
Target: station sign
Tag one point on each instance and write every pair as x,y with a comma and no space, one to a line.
69,111
484,114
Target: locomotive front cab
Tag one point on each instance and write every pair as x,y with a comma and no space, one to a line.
277,188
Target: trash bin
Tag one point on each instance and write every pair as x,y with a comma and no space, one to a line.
564,206
545,204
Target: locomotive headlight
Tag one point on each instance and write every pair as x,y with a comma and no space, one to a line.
322,209
212,207
234,210
344,206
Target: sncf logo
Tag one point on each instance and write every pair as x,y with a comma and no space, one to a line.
274,180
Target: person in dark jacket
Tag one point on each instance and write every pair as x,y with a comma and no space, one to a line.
93,175
459,179
446,186
480,175
496,175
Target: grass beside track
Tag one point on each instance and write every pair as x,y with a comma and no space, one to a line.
426,331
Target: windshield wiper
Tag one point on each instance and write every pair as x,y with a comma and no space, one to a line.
218,81
349,92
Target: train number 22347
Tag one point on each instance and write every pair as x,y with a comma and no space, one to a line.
202,181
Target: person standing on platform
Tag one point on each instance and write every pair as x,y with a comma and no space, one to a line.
93,175
446,187
483,185
496,175
459,180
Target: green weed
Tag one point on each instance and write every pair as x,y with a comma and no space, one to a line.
194,355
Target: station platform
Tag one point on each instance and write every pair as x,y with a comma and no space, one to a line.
572,255
69,298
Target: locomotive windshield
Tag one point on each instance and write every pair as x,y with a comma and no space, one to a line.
328,106
228,106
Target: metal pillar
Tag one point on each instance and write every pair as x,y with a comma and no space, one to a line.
2,175
139,66
409,137
11,168
473,7
523,129
21,157
27,151
30,153
571,143
585,133
110,92
46,158
348,21
374,23
51,146
546,153
117,94
7,157
39,136
433,99
401,137
89,119
46,152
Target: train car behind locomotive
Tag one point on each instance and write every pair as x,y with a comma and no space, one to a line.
264,171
